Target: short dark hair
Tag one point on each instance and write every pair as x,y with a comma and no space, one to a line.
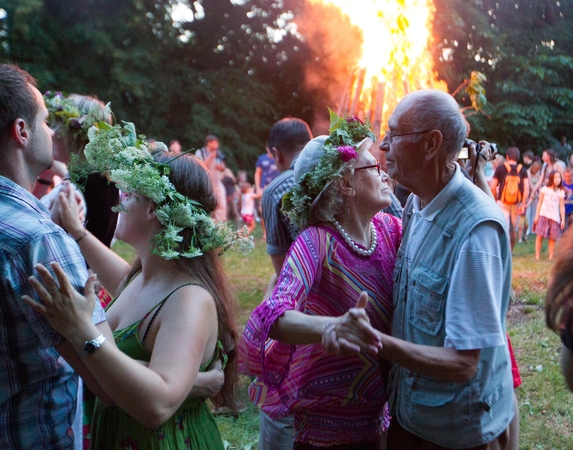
211,137
289,135
528,154
17,100
513,153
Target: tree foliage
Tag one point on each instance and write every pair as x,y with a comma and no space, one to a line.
523,48
222,73
234,67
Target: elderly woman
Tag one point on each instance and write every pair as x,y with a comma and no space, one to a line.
346,251
559,304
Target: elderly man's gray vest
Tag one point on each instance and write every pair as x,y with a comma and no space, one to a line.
447,413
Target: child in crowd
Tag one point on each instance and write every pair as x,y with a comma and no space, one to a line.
568,186
550,215
248,204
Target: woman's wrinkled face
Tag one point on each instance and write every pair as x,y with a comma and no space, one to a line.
371,186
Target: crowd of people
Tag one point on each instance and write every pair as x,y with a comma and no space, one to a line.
536,195
383,326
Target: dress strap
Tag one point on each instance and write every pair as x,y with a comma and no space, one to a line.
159,306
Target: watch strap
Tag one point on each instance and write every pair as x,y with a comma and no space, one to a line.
90,347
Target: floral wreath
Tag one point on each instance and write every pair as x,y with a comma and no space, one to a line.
340,147
62,111
118,153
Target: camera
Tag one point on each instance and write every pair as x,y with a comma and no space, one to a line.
464,153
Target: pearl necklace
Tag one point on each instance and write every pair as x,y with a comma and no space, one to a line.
353,245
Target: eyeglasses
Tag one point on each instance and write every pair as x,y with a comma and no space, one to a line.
391,135
372,166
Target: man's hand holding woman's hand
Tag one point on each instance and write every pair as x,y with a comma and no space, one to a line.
351,333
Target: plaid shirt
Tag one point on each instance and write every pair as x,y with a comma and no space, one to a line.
281,233
38,389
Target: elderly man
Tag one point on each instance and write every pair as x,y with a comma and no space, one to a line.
451,384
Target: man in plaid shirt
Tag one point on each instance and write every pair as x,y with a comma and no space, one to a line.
38,389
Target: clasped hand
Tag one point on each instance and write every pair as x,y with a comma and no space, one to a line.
351,333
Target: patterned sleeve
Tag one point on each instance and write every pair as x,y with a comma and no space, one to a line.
264,357
45,248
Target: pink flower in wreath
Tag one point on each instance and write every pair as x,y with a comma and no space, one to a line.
354,119
347,152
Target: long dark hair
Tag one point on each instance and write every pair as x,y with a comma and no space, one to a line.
559,297
190,177
551,180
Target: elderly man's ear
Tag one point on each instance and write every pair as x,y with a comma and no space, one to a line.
433,144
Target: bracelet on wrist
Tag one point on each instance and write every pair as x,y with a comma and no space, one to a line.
86,232
44,182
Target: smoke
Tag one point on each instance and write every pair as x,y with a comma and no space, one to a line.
336,46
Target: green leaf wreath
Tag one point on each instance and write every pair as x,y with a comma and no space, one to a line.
124,158
339,149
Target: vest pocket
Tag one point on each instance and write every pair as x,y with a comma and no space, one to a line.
441,405
426,299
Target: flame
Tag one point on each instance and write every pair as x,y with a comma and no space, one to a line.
395,54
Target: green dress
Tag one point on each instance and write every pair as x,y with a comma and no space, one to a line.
191,427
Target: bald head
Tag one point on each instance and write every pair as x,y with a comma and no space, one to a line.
434,109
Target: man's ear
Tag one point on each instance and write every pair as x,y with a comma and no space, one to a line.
433,144
19,131
277,154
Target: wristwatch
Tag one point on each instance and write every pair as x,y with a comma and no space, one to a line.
90,347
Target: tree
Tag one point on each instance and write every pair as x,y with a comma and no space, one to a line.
222,73
523,48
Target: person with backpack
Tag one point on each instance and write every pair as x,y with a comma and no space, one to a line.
510,189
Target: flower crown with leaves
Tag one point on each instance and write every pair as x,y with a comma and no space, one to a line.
64,113
340,147
118,153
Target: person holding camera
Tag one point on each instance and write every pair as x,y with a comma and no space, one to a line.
510,188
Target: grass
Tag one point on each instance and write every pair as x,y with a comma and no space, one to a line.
546,406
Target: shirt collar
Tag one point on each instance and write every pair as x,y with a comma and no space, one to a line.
440,200
9,188
293,162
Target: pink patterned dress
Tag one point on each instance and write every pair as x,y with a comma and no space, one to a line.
335,400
